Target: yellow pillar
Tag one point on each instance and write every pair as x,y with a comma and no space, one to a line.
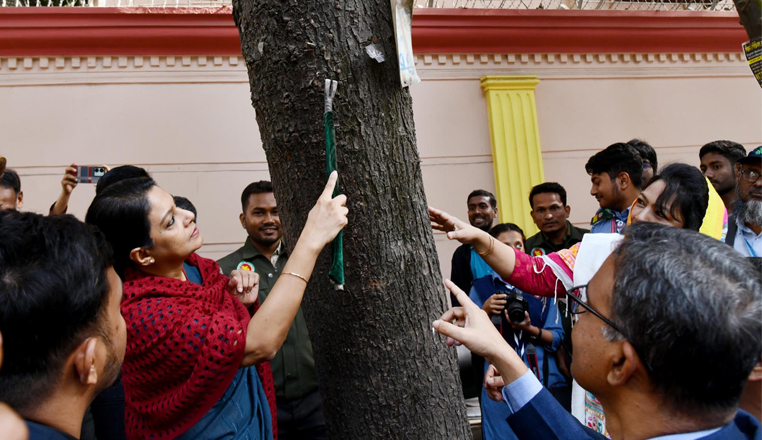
515,145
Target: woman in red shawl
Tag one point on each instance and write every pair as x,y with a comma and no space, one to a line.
196,361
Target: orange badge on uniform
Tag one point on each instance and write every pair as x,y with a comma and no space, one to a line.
538,252
245,265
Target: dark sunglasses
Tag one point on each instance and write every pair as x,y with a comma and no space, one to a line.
578,306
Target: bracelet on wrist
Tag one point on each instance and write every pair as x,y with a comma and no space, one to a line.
296,275
491,247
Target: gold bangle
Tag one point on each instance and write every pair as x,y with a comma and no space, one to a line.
491,247
296,275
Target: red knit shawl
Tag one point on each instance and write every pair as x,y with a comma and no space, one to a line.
185,343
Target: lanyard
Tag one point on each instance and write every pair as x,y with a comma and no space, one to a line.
748,246
519,344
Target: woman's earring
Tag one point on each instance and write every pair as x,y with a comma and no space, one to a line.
152,261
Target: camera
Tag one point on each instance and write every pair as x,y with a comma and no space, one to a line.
515,306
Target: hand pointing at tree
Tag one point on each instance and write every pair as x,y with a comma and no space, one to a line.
471,326
327,217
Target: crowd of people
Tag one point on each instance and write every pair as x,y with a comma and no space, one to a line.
645,326
673,340
154,341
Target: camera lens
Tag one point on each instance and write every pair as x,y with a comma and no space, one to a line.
516,313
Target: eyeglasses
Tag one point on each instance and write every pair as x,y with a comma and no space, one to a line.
577,306
750,176
647,165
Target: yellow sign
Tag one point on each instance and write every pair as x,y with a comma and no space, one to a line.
753,51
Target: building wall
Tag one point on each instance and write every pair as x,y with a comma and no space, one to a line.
188,120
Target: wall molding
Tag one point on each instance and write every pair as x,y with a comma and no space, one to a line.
579,66
211,31
138,69
28,170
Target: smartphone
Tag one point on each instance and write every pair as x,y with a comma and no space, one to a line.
90,174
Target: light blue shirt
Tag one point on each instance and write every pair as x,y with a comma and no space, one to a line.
519,392
747,242
611,225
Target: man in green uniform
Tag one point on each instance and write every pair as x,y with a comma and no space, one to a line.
300,412
550,213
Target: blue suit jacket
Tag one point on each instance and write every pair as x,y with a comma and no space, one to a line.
544,419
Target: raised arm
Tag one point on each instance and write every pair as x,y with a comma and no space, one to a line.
269,326
499,256
513,266
535,413
68,183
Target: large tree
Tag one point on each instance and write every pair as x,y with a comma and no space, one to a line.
382,372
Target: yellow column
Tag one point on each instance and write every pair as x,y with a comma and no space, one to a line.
515,145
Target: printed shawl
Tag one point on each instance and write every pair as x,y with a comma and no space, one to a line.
185,343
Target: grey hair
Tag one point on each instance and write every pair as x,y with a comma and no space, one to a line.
749,211
610,334
693,306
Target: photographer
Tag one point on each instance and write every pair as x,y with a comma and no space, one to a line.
530,325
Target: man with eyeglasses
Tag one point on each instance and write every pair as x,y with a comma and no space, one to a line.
745,225
667,333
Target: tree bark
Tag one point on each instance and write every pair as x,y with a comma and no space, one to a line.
382,373
750,15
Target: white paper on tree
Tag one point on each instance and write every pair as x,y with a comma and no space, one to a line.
402,15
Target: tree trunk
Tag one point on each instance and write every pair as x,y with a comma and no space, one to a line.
750,15
382,373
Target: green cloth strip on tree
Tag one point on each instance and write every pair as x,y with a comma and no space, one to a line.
337,267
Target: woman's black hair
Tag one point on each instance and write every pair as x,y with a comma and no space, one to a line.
506,227
121,211
118,174
686,192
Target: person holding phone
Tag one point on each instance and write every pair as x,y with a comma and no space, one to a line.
68,183
74,175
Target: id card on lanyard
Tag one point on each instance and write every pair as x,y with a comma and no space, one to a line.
748,246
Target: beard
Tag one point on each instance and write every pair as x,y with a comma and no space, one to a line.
112,369
723,189
749,211
615,189
114,360
614,199
486,226
265,241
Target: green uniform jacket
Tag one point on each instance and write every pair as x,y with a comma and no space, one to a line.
539,244
294,366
